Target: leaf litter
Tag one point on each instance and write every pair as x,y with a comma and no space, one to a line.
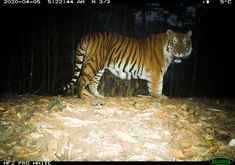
138,128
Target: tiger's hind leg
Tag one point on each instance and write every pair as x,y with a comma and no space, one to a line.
81,87
90,76
95,82
85,79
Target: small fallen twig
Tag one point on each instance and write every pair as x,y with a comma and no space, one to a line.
214,109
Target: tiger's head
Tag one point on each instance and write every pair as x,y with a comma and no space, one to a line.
178,45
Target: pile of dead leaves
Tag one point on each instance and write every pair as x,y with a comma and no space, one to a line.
115,128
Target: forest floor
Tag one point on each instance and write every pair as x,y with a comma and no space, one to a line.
137,128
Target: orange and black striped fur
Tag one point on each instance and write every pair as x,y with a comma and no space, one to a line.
128,58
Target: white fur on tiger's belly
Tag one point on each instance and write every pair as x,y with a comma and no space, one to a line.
77,74
80,58
126,74
79,66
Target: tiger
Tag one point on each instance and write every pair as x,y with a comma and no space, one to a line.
128,58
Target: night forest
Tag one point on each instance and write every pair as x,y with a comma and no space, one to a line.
38,44
192,121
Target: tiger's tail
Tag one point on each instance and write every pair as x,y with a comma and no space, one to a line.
79,58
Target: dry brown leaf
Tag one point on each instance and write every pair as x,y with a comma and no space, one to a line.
141,105
12,114
35,135
44,101
222,132
125,137
35,155
151,146
214,149
21,152
208,136
196,149
2,107
205,143
177,153
191,117
184,107
6,134
160,113
153,136
185,144
170,106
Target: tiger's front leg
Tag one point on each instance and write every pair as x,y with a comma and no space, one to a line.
159,89
159,86
155,85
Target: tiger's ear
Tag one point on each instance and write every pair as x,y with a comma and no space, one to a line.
169,32
189,33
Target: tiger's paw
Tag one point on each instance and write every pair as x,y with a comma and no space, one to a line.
97,102
88,94
100,96
161,97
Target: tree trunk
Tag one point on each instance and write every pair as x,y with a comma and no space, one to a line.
192,92
44,53
48,53
9,77
31,66
54,55
22,87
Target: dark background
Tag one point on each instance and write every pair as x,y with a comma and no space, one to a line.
38,42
